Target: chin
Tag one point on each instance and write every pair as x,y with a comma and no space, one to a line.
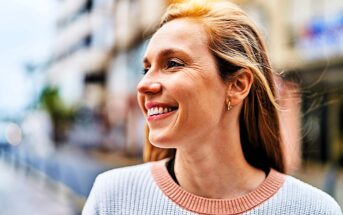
161,141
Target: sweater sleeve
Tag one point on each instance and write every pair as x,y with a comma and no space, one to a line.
307,199
91,206
333,208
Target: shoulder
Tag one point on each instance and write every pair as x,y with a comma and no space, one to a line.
308,198
112,189
125,171
295,187
122,176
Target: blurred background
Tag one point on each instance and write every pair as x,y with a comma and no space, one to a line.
68,110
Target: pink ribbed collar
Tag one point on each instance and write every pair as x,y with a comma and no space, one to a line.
202,205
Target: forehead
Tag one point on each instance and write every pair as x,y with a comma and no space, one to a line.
181,34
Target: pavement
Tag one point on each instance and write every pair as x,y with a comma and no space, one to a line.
23,192
56,185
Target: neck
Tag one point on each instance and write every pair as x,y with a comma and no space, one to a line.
216,170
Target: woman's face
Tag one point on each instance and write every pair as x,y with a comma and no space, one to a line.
181,95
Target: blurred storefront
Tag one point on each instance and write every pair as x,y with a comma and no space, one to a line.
317,35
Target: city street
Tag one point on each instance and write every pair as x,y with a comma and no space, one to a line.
58,185
24,192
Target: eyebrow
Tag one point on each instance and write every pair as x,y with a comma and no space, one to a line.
166,52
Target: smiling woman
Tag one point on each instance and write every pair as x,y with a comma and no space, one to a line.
179,79
213,139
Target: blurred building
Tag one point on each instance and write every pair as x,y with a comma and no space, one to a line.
96,66
316,36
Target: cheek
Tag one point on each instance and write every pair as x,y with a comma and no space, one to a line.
204,105
140,100
185,84
197,105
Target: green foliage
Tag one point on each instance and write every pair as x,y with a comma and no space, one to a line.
51,101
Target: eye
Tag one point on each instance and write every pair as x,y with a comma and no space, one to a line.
174,63
145,70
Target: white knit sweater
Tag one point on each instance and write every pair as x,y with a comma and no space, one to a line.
148,189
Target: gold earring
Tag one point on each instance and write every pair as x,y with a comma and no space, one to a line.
228,102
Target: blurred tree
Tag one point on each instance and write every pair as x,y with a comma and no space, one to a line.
61,115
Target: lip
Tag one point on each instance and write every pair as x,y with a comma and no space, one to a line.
149,105
160,116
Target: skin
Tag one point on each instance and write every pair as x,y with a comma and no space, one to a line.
181,72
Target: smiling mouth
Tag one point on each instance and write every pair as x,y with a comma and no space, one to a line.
155,111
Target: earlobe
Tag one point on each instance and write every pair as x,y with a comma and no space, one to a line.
228,103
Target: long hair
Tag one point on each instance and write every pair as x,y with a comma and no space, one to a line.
236,44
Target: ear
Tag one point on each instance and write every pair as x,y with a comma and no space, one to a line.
239,86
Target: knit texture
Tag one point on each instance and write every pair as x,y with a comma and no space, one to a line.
149,189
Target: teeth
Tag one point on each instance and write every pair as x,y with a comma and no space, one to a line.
158,110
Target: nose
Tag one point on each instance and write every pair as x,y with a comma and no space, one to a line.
149,86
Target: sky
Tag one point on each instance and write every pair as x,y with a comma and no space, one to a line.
27,31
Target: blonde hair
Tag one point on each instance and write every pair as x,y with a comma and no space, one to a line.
236,44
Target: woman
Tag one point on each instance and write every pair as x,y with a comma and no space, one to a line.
208,97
